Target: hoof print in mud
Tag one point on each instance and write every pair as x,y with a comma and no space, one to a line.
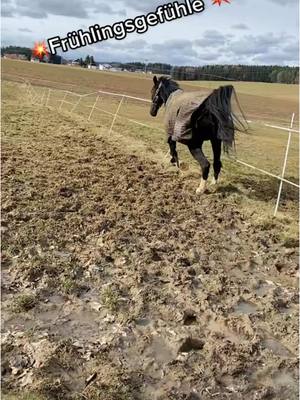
189,317
189,344
66,192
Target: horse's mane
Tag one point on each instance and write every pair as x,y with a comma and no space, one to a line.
168,87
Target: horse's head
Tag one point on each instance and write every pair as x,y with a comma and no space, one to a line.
156,96
162,89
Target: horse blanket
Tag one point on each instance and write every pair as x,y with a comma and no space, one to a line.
179,110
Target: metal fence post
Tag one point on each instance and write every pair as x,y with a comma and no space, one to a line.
93,108
62,100
284,165
116,114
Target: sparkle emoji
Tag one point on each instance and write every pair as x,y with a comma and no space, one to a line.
221,1
40,50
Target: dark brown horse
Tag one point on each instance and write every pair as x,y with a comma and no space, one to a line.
194,117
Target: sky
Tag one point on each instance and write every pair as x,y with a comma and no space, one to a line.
242,32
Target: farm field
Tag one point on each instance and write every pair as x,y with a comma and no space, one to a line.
260,101
118,281
275,90
264,147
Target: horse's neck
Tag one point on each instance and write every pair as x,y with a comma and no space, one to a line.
171,94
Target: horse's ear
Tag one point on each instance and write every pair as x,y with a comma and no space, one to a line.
155,80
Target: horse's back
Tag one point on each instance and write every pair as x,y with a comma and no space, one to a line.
179,110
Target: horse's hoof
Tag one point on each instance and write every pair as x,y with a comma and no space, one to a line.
214,182
201,189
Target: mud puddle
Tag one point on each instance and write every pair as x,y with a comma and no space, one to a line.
245,307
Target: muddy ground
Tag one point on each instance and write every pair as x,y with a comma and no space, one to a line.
119,282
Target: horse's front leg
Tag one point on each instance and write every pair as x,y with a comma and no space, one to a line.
173,152
217,149
199,156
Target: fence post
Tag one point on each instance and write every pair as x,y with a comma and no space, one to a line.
116,114
48,97
32,94
284,165
76,104
42,99
28,93
27,88
93,108
62,100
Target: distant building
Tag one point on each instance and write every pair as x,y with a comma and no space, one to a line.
15,56
140,71
103,67
90,66
55,59
115,69
44,60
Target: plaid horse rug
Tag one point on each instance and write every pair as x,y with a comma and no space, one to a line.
179,110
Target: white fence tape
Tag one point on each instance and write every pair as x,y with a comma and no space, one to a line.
283,129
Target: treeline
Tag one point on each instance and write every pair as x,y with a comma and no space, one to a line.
17,50
249,73
156,68
89,60
25,51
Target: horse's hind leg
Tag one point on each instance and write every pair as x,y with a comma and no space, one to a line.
173,152
217,149
199,156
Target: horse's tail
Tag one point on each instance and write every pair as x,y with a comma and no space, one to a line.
219,104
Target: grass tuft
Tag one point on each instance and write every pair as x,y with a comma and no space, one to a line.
24,303
110,298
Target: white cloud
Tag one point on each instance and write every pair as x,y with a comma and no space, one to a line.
246,31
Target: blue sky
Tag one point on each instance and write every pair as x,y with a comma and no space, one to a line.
245,31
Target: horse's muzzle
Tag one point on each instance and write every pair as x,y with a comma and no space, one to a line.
153,111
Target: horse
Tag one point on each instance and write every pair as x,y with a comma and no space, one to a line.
194,117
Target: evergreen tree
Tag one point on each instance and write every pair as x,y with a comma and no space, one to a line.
87,60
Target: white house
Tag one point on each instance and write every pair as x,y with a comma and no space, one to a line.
104,67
